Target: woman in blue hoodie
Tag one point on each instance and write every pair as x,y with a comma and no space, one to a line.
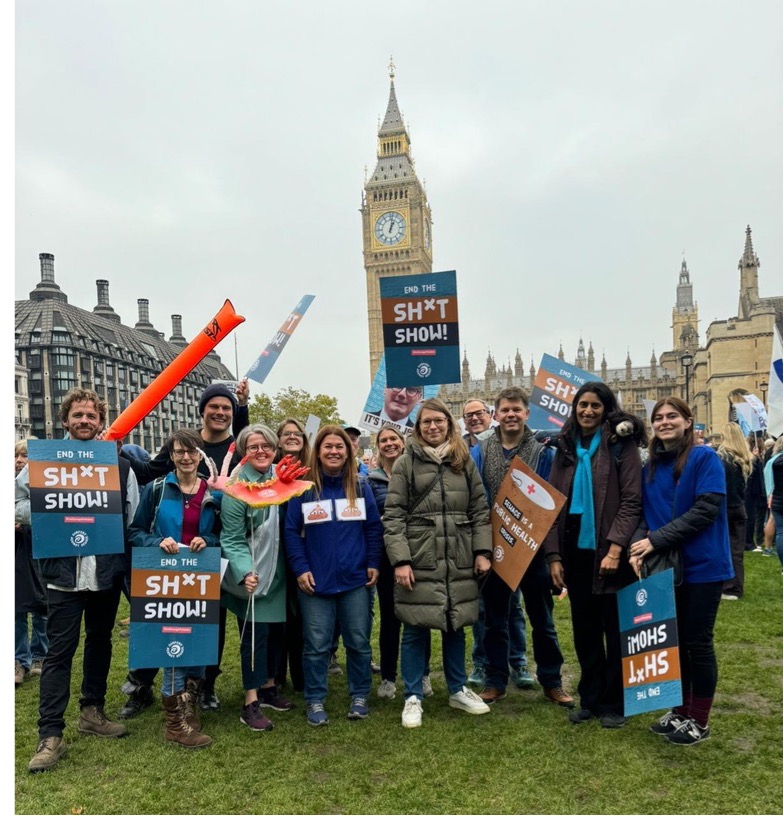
333,544
179,509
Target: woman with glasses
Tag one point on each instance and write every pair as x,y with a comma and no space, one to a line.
179,509
333,544
438,538
287,638
254,587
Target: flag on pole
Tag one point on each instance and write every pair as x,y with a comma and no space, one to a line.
775,391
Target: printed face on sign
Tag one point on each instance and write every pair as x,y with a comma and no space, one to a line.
317,512
347,512
400,402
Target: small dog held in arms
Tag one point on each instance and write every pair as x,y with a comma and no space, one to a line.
623,424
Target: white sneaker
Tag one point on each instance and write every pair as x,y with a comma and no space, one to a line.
469,701
412,713
387,690
427,686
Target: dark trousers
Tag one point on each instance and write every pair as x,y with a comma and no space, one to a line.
597,637
736,519
697,606
254,658
63,629
287,639
538,600
389,630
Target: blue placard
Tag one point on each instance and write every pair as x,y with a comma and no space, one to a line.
552,392
420,325
649,645
175,608
75,499
264,362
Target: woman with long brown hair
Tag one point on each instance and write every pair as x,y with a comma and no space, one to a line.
333,544
684,506
438,538
738,465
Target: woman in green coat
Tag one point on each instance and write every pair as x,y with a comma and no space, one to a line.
254,587
438,538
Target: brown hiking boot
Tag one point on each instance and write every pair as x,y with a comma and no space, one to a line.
47,754
177,728
559,696
20,673
491,695
93,720
192,702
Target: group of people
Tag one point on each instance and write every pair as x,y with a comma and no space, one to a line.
415,529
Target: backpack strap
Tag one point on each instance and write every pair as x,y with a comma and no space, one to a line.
157,498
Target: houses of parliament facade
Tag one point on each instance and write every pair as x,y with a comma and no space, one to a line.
734,353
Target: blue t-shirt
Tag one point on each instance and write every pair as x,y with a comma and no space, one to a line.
706,557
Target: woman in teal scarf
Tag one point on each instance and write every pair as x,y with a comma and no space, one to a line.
600,474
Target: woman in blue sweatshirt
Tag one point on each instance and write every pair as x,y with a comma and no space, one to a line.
333,544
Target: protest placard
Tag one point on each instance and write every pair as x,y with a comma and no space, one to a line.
649,645
419,321
523,512
396,407
75,499
554,388
175,608
264,362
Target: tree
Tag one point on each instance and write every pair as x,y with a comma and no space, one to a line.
293,402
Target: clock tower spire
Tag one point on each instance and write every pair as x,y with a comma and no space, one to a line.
396,222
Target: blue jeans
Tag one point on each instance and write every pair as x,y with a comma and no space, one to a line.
414,655
319,614
30,647
174,678
517,644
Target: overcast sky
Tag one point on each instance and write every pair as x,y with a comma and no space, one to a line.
194,151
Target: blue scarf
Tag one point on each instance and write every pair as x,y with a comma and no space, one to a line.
582,492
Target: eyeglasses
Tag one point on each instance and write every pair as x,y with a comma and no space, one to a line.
473,414
296,434
439,423
181,454
410,392
265,448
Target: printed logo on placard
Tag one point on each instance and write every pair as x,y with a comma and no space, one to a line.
79,538
498,554
423,370
175,649
641,597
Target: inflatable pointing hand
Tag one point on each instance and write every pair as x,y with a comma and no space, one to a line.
289,469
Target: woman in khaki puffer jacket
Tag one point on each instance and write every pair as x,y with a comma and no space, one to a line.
438,538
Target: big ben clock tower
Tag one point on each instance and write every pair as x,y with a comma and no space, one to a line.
396,223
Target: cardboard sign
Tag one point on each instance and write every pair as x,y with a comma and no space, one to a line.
554,388
649,645
75,500
383,401
523,513
419,321
264,362
175,608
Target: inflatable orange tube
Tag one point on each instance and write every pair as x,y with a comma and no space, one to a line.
178,369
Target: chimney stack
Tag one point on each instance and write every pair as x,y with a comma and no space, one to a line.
177,336
47,289
143,324
104,308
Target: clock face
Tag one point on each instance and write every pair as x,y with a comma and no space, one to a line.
390,228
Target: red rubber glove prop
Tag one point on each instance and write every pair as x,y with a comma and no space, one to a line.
284,485
178,369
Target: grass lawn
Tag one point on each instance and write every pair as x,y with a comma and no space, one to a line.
523,757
